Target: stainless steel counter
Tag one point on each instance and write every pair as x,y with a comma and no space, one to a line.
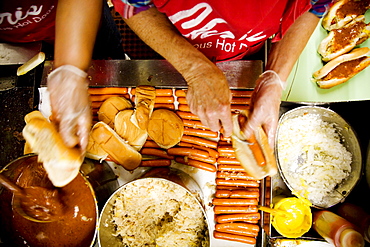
160,73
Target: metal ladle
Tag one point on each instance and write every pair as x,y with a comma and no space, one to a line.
37,204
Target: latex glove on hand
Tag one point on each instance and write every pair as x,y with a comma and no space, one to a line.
265,105
209,98
70,105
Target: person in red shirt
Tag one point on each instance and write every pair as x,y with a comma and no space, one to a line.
71,26
193,34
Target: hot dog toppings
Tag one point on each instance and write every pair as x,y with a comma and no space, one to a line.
353,8
344,69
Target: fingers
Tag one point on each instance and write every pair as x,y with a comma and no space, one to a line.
83,132
75,131
217,119
214,116
67,130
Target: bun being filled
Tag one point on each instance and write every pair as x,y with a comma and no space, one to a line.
343,40
254,154
342,68
343,12
61,163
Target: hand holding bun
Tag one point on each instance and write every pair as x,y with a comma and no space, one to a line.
61,163
255,153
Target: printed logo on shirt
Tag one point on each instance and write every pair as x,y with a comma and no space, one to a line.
21,18
196,27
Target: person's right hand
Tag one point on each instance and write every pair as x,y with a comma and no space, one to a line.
209,97
70,105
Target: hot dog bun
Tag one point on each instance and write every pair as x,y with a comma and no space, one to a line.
343,40
95,151
129,132
119,151
110,107
343,12
246,156
342,68
144,105
165,128
61,163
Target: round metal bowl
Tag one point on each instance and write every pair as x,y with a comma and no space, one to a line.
9,233
348,140
172,176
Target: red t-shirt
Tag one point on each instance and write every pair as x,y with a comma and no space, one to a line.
27,21
225,30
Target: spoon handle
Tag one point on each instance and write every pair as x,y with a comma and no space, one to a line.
272,211
10,185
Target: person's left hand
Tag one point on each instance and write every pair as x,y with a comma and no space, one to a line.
70,105
209,97
265,105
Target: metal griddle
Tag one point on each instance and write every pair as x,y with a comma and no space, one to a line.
160,73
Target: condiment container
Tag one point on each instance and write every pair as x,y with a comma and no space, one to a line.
77,227
336,230
297,220
107,231
357,216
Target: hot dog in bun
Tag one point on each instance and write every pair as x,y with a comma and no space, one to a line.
343,12
254,154
342,68
343,40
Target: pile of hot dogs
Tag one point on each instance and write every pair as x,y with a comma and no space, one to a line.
237,193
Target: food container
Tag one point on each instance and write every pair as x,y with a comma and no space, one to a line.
298,218
171,179
347,139
77,230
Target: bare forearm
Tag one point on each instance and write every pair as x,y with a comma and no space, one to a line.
157,31
285,53
77,22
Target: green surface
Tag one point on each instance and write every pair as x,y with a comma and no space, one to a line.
301,88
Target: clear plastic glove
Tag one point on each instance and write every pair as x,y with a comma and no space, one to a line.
70,104
209,97
265,105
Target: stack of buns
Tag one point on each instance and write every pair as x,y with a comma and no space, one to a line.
124,127
345,23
